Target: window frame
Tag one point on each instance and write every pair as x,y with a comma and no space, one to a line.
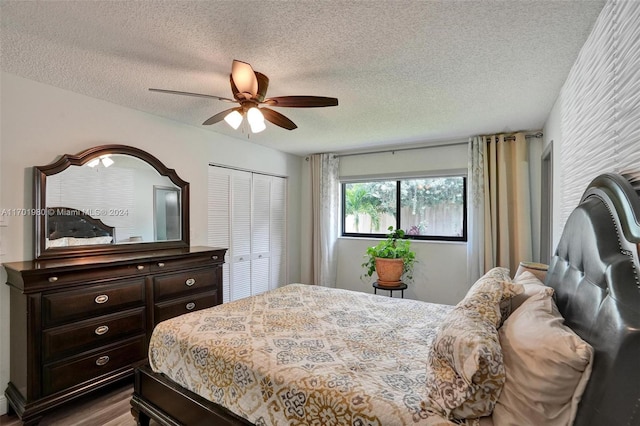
398,180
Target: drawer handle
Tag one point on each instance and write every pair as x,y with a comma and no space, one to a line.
214,257
160,264
190,306
140,267
103,298
53,279
102,360
190,282
102,330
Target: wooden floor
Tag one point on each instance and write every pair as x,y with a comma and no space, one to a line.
106,408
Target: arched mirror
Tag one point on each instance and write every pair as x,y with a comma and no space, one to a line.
108,199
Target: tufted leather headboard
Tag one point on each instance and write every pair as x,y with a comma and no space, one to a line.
595,276
69,222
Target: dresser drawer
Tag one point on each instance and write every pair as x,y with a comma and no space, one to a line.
81,336
73,371
210,259
173,308
91,301
182,283
59,279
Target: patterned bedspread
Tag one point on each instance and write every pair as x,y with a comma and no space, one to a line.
305,355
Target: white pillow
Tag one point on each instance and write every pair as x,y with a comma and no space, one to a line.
74,241
547,366
532,285
58,242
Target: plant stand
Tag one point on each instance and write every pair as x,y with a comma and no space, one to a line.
401,287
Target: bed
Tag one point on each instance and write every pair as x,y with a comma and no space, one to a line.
310,355
67,226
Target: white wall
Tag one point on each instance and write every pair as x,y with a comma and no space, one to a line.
4,304
440,276
595,122
39,122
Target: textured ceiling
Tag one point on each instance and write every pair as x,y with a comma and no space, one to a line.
405,72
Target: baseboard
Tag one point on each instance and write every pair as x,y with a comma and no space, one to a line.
3,405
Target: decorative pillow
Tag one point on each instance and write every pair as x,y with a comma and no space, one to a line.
465,373
496,288
532,286
547,366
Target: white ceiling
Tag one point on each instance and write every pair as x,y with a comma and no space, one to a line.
405,72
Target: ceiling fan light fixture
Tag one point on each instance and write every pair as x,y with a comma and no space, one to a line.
256,120
106,161
233,119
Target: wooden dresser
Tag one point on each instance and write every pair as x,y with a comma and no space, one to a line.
82,323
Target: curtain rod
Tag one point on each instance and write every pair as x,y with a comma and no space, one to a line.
533,135
401,149
536,135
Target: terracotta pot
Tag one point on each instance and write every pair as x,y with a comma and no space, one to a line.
389,271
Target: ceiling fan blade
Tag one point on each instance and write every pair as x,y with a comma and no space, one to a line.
244,78
301,101
278,119
218,117
234,89
199,95
263,85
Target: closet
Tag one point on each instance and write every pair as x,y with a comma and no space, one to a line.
247,213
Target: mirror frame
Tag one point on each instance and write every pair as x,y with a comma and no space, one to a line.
40,196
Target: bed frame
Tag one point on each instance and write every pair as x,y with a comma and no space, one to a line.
595,275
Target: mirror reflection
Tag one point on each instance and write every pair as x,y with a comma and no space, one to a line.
166,213
112,199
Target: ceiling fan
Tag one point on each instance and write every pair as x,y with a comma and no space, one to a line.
249,89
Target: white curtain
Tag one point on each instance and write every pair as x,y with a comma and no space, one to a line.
475,209
325,190
501,218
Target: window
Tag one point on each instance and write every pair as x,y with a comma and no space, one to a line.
429,208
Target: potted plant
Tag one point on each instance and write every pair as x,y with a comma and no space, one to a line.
392,259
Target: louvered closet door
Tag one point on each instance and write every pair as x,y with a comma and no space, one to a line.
260,233
241,230
219,213
247,214
278,233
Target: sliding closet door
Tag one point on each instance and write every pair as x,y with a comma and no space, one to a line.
240,229
278,233
247,214
260,233
219,218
